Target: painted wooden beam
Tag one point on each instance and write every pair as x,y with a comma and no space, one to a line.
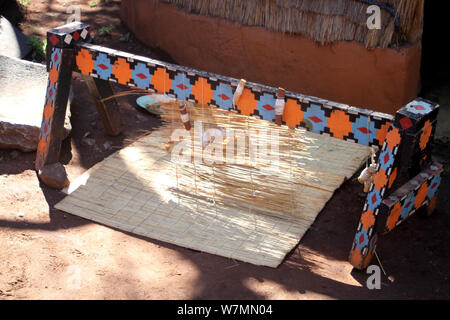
361,126
58,88
364,243
418,192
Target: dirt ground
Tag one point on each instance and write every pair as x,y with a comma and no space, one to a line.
48,254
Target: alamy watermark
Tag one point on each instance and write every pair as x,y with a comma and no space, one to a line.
374,280
75,14
217,146
374,20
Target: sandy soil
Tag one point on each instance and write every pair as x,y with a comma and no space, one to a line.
48,254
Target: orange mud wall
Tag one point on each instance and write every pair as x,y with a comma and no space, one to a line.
382,79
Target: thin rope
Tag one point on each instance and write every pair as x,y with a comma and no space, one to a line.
213,164
379,262
172,127
290,172
368,138
193,158
251,170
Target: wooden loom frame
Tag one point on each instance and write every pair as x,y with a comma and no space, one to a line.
403,162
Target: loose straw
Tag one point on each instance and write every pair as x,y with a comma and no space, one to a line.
127,93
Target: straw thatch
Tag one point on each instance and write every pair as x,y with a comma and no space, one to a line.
325,21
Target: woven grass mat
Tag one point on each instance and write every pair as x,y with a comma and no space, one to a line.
235,211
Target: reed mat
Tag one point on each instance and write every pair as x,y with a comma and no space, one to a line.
250,208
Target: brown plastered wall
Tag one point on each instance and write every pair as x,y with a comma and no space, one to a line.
381,79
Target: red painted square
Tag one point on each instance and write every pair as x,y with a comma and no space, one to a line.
364,130
361,238
315,119
374,198
406,123
54,39
76,35
419,107
386,158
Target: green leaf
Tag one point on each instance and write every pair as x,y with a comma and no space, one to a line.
106,30
38,45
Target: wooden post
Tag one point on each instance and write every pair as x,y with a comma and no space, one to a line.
52,127
279,106
366,236
109,109
60,63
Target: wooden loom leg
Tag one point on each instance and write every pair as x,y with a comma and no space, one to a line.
411,132
364,243
108,110
50,171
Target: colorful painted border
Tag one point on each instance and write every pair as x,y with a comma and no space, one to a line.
419,191
318,115
66,36
69,34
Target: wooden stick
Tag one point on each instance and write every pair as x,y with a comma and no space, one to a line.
108,109
279,106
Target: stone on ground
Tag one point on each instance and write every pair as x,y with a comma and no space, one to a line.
54,175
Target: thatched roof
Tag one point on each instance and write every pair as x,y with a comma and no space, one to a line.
325,21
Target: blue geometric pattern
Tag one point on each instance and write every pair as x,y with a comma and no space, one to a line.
386,159
434,186
316,116
45,126
373,199
266,107
56,57
141,76
408,205
181,86
223,95
361,239
418,107
362,134
51,92
103,66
